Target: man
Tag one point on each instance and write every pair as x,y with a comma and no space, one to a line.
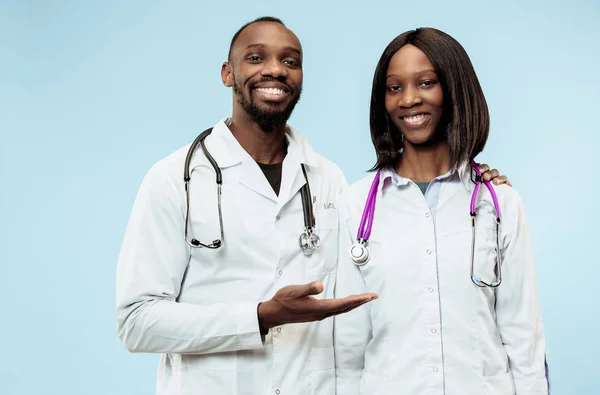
230,318
200,307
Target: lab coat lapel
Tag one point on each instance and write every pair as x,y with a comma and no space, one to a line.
449,189
299,152
292,179
220,146
252,177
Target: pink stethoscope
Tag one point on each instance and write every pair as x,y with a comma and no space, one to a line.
360,253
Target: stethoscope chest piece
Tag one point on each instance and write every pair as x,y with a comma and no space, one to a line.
359,253
309,242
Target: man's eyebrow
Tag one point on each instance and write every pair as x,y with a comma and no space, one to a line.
263,46
293,49
259,46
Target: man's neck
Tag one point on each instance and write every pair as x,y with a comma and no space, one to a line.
424,163
263,147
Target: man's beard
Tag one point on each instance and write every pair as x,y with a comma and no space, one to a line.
268,119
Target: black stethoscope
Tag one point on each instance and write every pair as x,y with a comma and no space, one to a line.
309,241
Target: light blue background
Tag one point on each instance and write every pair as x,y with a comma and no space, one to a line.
92,93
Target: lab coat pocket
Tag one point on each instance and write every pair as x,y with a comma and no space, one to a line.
321,366
376,384
485,254
324,259
501,384
204,220
212,373
169,374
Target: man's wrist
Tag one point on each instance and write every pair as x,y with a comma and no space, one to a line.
263,331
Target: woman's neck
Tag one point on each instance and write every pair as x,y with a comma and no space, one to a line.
423,163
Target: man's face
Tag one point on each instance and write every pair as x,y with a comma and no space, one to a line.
265,71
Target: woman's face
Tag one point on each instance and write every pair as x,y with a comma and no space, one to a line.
414,96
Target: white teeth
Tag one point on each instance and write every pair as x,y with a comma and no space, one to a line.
271,91
415,118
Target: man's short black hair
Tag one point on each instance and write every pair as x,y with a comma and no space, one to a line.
241,29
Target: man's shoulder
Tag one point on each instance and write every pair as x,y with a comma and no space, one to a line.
329,168
172,162
326,168
167,172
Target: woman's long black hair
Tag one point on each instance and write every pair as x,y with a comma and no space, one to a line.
465,120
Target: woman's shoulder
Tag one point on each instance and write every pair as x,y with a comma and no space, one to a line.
357,192
508,197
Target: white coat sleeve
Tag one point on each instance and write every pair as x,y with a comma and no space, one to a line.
518,314
151,267
352,330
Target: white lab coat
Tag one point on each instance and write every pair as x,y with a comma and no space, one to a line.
432,331
198,307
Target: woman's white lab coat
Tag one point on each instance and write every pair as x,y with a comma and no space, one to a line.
432,331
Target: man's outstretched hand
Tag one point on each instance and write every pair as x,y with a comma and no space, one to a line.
295,303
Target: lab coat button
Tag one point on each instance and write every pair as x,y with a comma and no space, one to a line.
430,289
279,330
426,215
278,218
429,252
435,369
277,392
433,331
280,272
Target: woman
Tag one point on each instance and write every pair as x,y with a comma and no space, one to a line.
438,327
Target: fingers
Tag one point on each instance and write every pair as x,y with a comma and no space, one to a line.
350,308
343,305
312,288
483,167
490,174
493,175
501,180
371,295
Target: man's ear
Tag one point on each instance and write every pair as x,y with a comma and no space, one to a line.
227,74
